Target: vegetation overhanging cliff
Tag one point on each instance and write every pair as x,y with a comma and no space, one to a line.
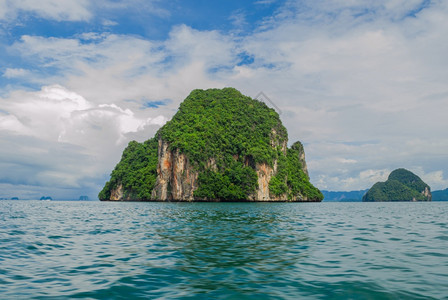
219,146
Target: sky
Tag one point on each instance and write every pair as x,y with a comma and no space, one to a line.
362,84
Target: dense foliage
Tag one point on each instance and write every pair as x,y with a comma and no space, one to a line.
223,124
235,182
408,178
290,179
136,172
401,185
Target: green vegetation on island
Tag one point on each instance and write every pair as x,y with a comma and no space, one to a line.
136,172
291,178
223,123
401,185
225,137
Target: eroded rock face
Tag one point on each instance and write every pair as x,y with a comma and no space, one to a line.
427,193
264,173
117,194
176,178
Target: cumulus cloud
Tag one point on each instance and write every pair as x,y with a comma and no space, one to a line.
113,68
15,73
56,137
59,10
57,114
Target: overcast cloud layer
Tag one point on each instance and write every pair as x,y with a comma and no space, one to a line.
363,84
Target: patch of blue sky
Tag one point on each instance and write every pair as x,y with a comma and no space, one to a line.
215,70
49,28
276,65
198,14
8,85
413,13
155,103
245,59
147,23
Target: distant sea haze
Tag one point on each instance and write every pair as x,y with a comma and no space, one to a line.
130,250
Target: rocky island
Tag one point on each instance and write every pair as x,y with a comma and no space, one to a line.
401,185
219,146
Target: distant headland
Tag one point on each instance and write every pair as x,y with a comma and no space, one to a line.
402,185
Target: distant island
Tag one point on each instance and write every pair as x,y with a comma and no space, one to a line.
219,146
46,198
440,195
401,185
343,196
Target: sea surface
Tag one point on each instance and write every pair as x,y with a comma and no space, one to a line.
131,250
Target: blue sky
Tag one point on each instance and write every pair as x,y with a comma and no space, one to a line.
363,84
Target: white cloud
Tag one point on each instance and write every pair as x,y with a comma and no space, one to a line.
59,10
109,23
15,73
109,68
374,175
63,136
59,115
436,178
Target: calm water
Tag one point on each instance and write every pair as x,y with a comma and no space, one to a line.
223,250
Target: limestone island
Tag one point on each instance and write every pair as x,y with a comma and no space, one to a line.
401,185
219,146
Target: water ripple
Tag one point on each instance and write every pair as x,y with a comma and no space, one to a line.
223,250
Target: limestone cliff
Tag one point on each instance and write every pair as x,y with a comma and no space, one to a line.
176,178
219,146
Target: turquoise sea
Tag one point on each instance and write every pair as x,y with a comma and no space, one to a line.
106,250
